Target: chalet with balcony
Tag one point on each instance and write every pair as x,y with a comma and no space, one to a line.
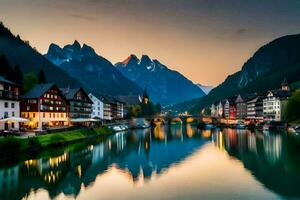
79,104
9,103
45,106
241,108
230,108
255,109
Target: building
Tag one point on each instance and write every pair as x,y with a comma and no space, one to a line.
255,109
107,108
274,103
220,108
230,108
241,108
129,101
44,105
79,103
97,107
9,103
116,107
214,109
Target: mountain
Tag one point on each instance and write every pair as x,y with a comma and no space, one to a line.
96,73
19,52
164,85
205,89
264,71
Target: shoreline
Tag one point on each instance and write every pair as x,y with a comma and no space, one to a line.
12,146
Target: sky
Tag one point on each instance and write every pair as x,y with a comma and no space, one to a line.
205,40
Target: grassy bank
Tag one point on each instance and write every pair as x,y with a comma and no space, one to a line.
14,145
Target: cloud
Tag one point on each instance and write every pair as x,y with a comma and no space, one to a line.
241,32
83,17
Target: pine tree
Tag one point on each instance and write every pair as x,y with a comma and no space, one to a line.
6,70
42,77
18,76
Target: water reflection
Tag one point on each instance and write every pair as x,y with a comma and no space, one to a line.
140,155
272,158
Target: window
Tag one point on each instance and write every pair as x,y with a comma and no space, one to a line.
6,105
5,114
44,115
13,114
49,115
12,105
33,115
12,125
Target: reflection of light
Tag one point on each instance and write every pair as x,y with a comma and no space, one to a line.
206,133
273,148
159,133
189,131
30,163
55,161
220,141
79,170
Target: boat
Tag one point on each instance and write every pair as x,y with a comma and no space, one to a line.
118,128
240,126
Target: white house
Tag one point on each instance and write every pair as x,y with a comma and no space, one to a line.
97,107
273,104
9,103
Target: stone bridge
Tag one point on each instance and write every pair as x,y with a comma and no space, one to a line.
182,119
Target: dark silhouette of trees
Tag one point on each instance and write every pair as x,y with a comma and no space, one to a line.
42,77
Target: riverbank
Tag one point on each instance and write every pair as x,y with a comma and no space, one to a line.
14,145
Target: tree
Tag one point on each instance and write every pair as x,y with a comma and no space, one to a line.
42,77
292,108
158,108
6,70
30,80
18,75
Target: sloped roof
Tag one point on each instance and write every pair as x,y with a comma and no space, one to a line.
129,100
71,93
38,90
4,80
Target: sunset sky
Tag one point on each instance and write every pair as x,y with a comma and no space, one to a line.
205,40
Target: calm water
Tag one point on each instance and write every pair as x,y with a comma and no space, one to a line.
165,163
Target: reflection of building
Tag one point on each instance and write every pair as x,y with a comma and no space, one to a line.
44,105
9,103
252,142
8,181
220,140
273,147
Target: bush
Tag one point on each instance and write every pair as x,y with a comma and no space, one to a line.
34,143
57,139
10,146
292,109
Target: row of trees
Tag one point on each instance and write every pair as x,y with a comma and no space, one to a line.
145,108
292,108
15,74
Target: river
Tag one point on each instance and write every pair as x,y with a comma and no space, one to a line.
171,162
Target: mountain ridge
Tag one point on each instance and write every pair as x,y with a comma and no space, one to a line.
162,83
263,71
100,75
29,59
